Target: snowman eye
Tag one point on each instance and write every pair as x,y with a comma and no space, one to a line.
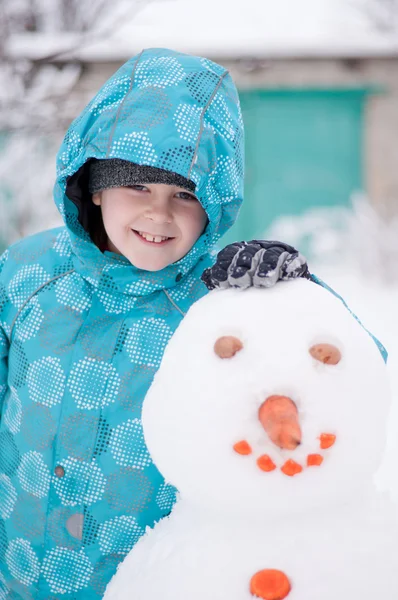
227,346
326,353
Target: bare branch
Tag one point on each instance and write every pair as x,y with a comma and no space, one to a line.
130,11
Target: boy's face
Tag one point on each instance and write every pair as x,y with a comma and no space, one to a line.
152,225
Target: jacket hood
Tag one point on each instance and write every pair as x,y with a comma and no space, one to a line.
171,111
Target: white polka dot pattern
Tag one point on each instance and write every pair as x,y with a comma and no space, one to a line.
22,561
119,535
25,282
158,72
4,589
93,383
30,324
62,244
116,305
13,412
110,95
166,497
127,445
121,147
46,381
83,483
72,291
34,474
66,570
187,122
72,150
138,342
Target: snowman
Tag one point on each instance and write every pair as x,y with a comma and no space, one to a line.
268,414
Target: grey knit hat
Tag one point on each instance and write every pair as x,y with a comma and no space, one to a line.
115,172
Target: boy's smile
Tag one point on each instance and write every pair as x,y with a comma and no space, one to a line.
151,239
152,225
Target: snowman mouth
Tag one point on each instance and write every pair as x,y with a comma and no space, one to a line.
279,418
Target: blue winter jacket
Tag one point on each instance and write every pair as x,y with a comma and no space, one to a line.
82,333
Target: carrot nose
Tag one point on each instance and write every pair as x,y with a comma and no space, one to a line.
279,417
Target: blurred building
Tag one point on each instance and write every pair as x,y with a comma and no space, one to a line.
318,88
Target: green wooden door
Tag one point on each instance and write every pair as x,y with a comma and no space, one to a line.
303,149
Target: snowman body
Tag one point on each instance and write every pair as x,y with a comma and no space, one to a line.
347,557
252,506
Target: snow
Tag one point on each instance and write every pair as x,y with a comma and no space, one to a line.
27,199
196,558
376,305
221,28
233,519
277,328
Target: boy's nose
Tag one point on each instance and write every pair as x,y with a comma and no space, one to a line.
158,211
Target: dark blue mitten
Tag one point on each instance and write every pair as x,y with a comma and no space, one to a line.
257,263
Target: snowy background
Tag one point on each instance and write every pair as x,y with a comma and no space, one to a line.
354,250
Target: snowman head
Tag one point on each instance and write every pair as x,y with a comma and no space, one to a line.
269,401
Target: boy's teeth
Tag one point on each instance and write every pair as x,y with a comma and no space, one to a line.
152,238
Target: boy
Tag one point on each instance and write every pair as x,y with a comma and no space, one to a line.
150,176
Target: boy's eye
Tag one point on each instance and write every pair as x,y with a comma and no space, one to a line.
186,196
138,187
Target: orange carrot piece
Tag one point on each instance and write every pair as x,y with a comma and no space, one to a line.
242,448
266,463
280,419
327,440
291,468
314,460
270,584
